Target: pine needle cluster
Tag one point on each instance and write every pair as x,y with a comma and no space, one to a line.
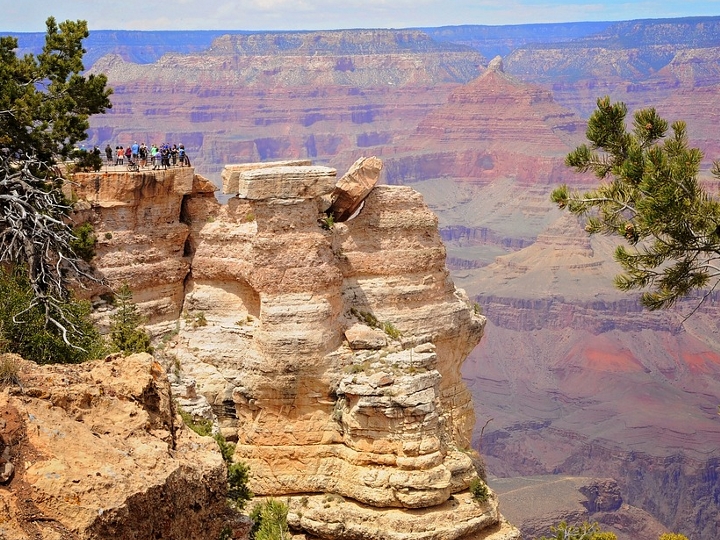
650,196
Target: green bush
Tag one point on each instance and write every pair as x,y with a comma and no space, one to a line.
479,490
127,335
238,476
269,521
84,241
391,330
202,427
25,330
86,161
673,536
327,222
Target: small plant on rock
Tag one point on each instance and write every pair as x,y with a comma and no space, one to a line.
479,490
391,330
84,241
201,426
327,222
9,370
200,320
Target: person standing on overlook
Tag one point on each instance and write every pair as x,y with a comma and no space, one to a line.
109,154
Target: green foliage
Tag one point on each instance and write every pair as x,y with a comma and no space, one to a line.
45,101
200,320
586,531
367,318
84,241
227,449
391,330
25,330
202,426
327,222
126,332
86,161
672,536
479,490
238,475
651,197
269,521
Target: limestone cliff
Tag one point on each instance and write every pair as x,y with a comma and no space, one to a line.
330,351
99,453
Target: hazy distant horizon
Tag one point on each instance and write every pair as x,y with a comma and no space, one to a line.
279,15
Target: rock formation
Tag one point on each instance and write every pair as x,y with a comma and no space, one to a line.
330,352
537,503
98,452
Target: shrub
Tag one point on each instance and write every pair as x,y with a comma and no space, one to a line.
367,318
479,490
673,536
9,370
391,330
238,475
127,335
269,521
86,161
84,241
199,320
226,449
25,329
200,426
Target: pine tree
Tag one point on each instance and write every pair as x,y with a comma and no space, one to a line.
45,103
127,334
651,197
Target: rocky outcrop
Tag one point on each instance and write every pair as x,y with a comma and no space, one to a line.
537,503
142,234
330,352
99,452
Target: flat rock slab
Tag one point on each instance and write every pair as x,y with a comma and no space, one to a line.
231,173
303,182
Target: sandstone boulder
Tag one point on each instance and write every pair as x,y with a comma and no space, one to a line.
354,186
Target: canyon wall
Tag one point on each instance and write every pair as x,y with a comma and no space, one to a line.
594,384
330,353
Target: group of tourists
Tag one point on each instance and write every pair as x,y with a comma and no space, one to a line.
141,156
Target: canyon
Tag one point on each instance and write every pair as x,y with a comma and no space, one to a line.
572,376
329,353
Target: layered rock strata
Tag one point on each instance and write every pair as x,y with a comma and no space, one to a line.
332,354
98,452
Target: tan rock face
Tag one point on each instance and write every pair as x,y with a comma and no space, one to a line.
333,355
99,453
